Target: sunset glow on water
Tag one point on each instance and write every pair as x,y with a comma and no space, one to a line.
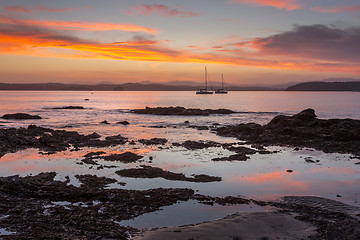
261,177
82,69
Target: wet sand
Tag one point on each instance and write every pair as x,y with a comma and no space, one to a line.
258,225
305,217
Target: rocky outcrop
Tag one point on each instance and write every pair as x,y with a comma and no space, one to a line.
20,116
301,130
126,157
155,172
181,111
49,140
69,107
153,141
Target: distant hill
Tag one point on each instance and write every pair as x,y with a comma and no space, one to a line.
118,87
326,86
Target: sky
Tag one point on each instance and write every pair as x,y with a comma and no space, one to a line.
119,41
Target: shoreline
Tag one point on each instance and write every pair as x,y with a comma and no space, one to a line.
40,202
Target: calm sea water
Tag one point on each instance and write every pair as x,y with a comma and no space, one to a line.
262,177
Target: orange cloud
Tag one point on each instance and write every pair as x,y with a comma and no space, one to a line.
163,10
81,26
19,8
354,8
288,50
280,4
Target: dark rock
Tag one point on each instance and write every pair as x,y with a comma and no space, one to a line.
92,212
123,123
225,201
153,141
186,122
93,181
155,172
94,154
20,116
181,111
301,130
94,135
289,171
234,157
104,122
89,161
126,157
116,140
309,160
192,145
51,141
69,107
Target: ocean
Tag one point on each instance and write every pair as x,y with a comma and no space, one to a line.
261,177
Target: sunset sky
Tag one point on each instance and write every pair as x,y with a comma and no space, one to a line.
120,41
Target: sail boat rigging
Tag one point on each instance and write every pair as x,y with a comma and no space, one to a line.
204,90
221,90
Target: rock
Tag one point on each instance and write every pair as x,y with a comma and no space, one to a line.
104,122
69,107
225,201
153,141
306,115
181,111
300,130
186,122
90,211
289,171
20,116
116,140
126,157
94,135
123,123
155,172
51,141
234,157
192,145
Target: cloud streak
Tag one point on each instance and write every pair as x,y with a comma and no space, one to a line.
81,25
338,9
280,4
160,9
36,8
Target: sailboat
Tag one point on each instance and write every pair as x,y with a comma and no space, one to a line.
221,90
204,90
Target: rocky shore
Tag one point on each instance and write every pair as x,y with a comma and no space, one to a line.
40,207
301,130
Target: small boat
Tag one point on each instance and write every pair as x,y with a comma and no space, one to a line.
221,90
204,90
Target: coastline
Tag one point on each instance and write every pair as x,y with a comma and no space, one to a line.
42,201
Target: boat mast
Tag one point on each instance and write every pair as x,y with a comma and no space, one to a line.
222,80
205,78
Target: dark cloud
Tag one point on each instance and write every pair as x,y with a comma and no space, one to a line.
315,41
17,29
